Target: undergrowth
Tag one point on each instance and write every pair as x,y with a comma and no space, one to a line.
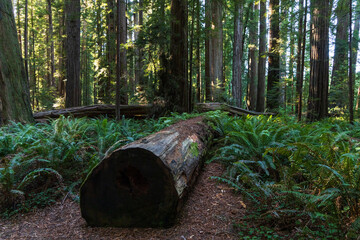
43,162
302,178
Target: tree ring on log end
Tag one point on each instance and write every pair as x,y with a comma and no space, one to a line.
132,187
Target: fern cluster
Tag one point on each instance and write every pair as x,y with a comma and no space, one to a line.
308,171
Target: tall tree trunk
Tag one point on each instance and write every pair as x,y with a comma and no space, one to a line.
208,94
118,63
18,9
51,50
191,50
14,89
253,57
216,49
319,60
260,101
198,53
177,89
338,89
300,49
355,47
62,61
26,42
351,80
73,89
291,98
273,86
123,64
139,72
237,53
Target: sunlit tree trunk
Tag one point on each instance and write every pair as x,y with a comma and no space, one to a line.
51,54
319,60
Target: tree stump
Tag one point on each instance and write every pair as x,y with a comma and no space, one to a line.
143,184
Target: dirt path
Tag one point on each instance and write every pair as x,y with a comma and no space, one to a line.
209,213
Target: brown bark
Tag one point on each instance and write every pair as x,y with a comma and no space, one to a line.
273,85
208,94
198,53
177,88
237,54
136,111
216,50
26,44
73,90
139,69
123,64
338,89
14,89
233,110
253,58
355,43
144,184
260,101
51,51
300,58
319,60
351,80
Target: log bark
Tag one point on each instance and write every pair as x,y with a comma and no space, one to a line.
204,107
144,183
95,111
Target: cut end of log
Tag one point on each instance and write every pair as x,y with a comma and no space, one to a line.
133,188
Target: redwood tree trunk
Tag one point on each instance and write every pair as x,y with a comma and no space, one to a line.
260,101
14,89
319,60
338,90
273,86
237,53
253,58
177,87
73,90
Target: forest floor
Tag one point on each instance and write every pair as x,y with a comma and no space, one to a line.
209,213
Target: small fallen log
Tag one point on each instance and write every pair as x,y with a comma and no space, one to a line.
204,107
95,111
144,183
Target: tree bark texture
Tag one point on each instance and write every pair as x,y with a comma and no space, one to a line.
253,58
273,86
144,183
51,51
237,54
177,94
123,64
73,88
133,111
260,100
338,90
14,89
319,60
216,49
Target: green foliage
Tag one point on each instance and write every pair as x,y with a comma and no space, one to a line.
309,172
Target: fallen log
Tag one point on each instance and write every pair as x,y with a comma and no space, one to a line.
204,107
144,183
95,111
